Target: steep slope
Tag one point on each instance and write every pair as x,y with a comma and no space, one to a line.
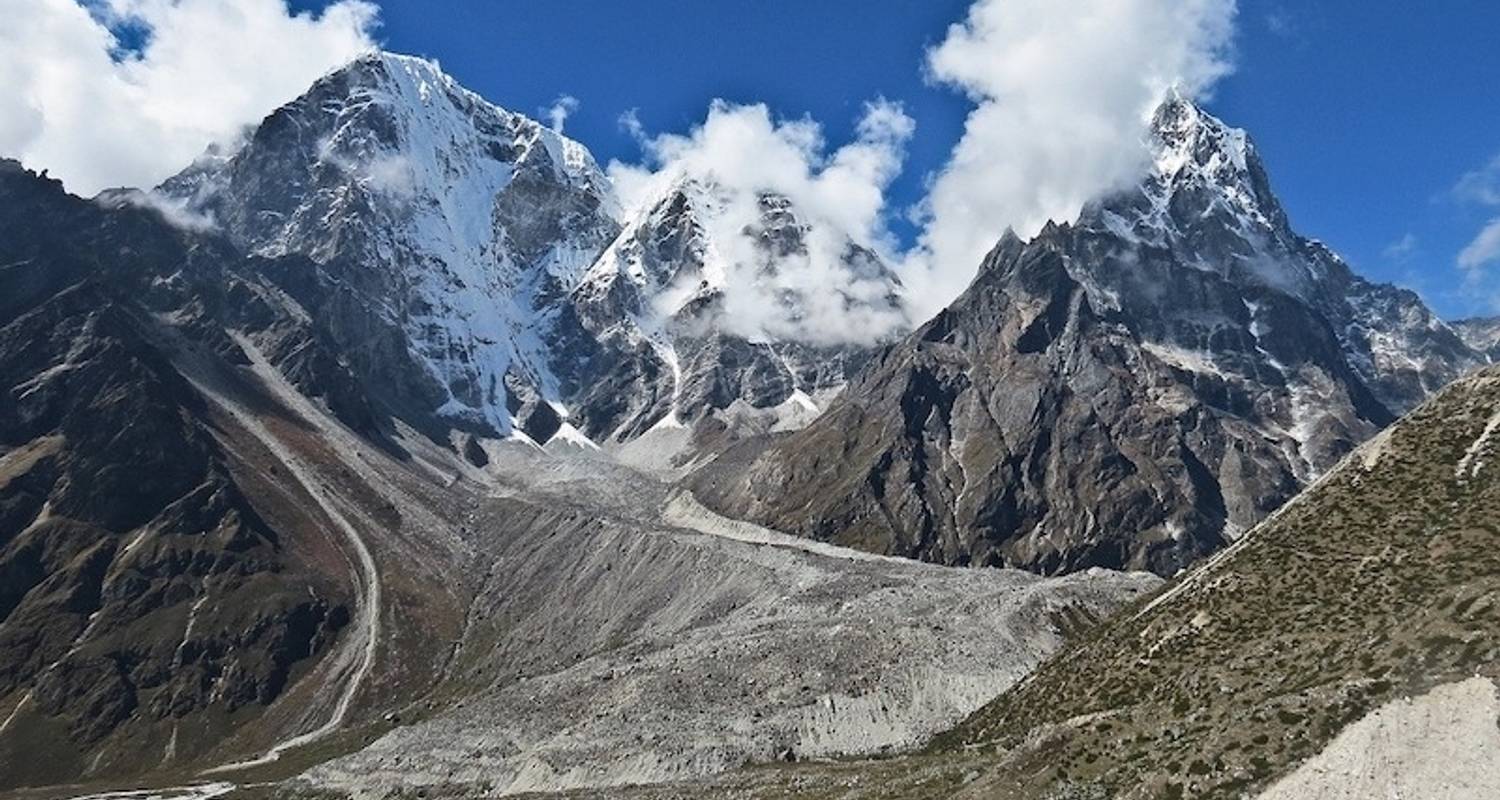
161,589
1380,582
1349,646
1135,389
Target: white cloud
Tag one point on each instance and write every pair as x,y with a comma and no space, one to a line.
1402,249
1481,186
389,174
743,153
1484,250
630,123
557,114
207,69
175,212
1064,94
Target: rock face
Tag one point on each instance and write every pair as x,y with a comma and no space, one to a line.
154,594
483,277
1135,389
1481,333
446,225
658,293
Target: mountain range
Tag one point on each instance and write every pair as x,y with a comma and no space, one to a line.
386,450
486,279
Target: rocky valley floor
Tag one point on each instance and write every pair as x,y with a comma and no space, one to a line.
596,627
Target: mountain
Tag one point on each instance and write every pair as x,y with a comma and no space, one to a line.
445,225
1377,584
1135,389
1481,333
483,275
661,288
289,496
164,590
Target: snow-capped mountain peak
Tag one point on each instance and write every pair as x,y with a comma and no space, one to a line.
1195,151
489,281
446,218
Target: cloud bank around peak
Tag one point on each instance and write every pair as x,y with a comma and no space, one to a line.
98,116
1063,96
740,154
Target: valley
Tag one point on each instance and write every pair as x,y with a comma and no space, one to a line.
421,466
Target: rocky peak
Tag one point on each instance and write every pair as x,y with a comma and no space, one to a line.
1193,149
1135,389
678,255
659,294
451,228
1482,334
1206,196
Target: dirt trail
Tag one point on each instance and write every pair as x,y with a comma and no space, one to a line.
202,791
684,511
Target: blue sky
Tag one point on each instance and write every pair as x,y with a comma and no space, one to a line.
1367,112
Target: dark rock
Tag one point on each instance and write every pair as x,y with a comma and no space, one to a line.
139,581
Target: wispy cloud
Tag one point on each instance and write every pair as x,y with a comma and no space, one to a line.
174,211
630,123
1279,22
1402,250
557,114
1484,250
1481,187
99,115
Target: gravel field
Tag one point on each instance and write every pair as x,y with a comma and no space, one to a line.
624,634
